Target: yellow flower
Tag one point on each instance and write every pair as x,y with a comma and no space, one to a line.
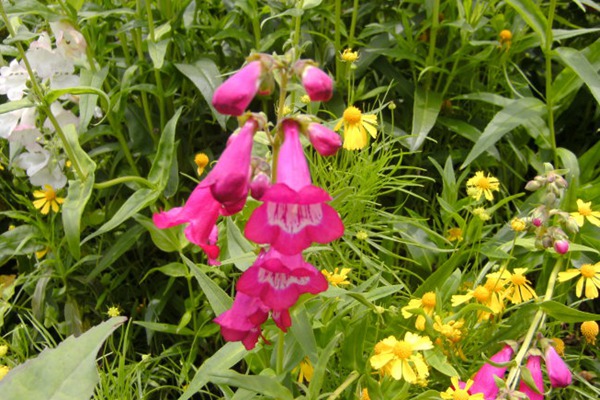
518,225
356,126
584,211
41,253
559,346
482,214
362,235
364,394
399,358
483,295
201,161
482,185
518,289
589,330
337,278
505,35
113,311
3,350
452,330
590,278
349,56
455,234
47,198
3,371
306,370
456,393
427,303
305,99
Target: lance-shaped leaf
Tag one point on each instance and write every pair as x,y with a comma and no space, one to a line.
425,112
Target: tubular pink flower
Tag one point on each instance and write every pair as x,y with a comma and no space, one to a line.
242,321
535,367
558,371
236,93
323,139
294,213
279,279
318,85
222,192
484,382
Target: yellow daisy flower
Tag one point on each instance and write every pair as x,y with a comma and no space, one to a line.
482,185
306,370
454,234
356,126
452,330
47,198
113,311
427,303
456,393
483,295
337,278
399,358
518,289
590,278
349,56
584,211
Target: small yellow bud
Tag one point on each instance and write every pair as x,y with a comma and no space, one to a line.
505,36
201,161
589,330
518,225
362,235
349,56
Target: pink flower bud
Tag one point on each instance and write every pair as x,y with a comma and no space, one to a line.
558,371
236,93
561,246
535,368
537,222
484,381
318,84
323,139
260,183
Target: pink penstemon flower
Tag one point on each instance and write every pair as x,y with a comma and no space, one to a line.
535,368
243,320
484,381
316,82
236,93
222,192
294,213
324,140
558,371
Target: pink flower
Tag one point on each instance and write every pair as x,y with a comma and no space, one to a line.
561,246
243,320
534,366
279,279
558,371
484,382
260,183
236,93
294,213
222,192
318,85
323,139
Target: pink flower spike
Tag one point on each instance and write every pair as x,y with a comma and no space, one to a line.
279,279
323,139
535,367
484,382
242,321
235,94
561,246
558,371
318,85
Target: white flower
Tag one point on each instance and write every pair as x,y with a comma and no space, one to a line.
8,122
47,62
12,80
42,169
64,117
69,41
26,136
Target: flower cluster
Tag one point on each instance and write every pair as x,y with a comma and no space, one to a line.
294,213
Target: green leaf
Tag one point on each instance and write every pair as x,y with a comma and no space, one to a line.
66,372
15,105
161,166
226,357
517,113
218,299
316,383
168,240
87,102
302,331
262,384
533,16
583,68
174,269
567,314
157,51
165,328
206,76
426,109
567,83
54,95
18,241
439,361
240,250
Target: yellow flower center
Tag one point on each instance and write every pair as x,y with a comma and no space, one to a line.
352,115
460,394
588,271
403,350
518,279
428,300
585,209
483,183
49,194
481,294
589,329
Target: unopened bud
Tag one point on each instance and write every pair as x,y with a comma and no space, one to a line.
561,246
537,222
259,185
533,185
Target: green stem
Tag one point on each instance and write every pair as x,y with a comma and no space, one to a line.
280,349
123,179
353,23
337,38
435,23
549,92
160,95
536,325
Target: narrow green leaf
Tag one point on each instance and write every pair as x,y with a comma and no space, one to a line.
240,250
533,16
567,83
157,51
265,385
87,102
425,112
302,331
206,76
566,314
15,105
168,240
18,241
226,357
583,68
161,166
439,361
66,372
316,383
515,114
165,328
218,299
54,95
174,269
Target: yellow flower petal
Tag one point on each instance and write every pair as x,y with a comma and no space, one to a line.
568,274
